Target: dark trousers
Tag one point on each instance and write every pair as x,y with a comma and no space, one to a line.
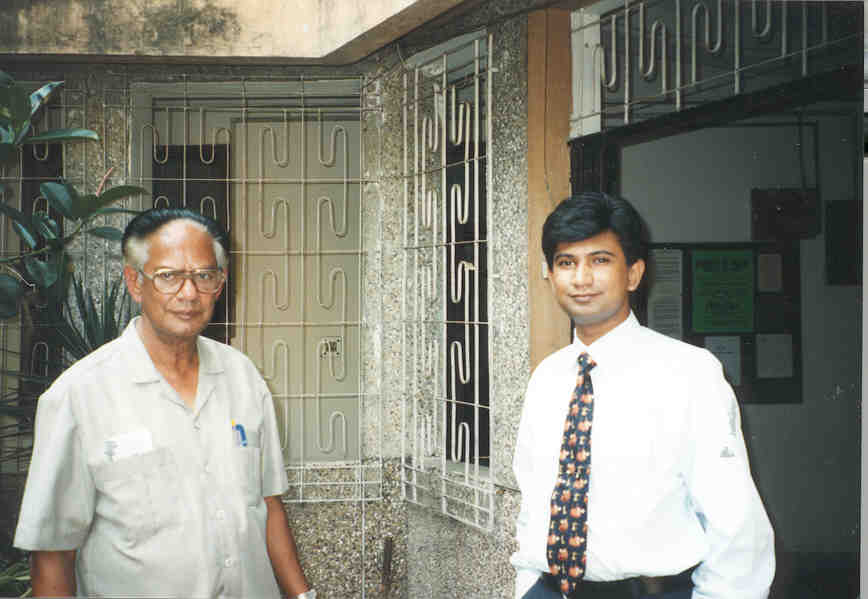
540,591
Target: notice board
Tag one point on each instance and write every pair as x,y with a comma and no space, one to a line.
741,301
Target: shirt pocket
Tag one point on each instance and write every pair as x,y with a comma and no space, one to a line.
249,460
139,495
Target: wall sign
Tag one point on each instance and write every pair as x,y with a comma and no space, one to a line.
741,301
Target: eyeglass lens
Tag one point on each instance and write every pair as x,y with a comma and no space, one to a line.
170,281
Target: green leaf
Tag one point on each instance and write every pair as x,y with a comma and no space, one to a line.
91,205
16,103
113,210
97,326
7,133
6,79
21,224
11,291
42,95
25,234
14,213
59,135
22,130
45,226
57,292
120,191
59,196
44,273
81,206
110,233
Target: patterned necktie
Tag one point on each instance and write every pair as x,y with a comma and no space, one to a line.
568,529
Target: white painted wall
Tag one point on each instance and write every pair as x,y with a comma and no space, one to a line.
696,187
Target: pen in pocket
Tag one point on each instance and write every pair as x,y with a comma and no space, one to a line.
239,434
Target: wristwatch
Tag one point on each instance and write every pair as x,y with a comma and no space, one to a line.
308,594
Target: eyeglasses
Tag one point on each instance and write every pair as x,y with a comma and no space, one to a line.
206,280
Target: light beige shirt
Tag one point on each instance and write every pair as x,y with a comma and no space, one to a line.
158,499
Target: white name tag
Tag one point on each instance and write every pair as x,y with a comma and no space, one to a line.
128,444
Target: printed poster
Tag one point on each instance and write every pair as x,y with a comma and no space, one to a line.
723,291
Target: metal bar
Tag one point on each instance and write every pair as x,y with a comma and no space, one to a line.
804,38
677,55
737,48
490,249
627,82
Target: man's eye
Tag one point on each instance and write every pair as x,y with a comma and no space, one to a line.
601,260
564,263
205,276
167,275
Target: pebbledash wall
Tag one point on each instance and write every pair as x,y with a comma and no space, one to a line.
342,544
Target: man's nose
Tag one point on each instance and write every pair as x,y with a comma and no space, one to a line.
188,289
583,275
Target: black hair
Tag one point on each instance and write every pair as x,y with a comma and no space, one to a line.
587,214
149,221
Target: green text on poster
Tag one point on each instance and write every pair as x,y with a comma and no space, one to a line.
723,291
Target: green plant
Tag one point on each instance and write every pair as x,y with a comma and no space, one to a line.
42,268
15,578
99,325
19,109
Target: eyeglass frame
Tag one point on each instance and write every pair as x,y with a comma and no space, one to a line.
186,275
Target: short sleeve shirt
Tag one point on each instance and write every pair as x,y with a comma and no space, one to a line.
157,499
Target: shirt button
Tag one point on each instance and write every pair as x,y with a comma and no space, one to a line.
229,561
220,514
207,468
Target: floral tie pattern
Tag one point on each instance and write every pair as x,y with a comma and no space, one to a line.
568,528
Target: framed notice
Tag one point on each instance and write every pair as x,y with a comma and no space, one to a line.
740,301
723,290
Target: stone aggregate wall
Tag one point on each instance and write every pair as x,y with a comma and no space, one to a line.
343,544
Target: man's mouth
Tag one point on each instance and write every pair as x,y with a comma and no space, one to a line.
186,315
583,298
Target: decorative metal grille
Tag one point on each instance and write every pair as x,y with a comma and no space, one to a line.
280,163
446,406
653,57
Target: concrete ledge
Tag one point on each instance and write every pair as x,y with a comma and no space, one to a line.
328,32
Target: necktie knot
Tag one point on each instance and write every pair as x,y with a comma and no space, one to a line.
586,363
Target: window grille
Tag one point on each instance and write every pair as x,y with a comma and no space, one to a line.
281,163
446,404
652,57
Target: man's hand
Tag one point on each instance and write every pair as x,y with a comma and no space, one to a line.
52,573
282,551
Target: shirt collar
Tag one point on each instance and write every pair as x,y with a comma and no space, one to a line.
611,345
142,369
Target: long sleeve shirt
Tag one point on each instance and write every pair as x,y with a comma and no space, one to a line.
670,484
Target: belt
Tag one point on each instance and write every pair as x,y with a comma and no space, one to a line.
628,588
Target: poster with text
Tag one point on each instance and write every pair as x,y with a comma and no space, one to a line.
723,291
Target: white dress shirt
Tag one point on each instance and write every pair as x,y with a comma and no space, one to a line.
157,499
670,483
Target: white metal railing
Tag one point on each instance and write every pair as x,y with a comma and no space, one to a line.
447,245
295,204
650,57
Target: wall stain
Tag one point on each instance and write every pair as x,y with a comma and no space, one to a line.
98,38
173,27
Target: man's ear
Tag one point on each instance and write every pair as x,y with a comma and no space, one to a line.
634,274
223,287
134,281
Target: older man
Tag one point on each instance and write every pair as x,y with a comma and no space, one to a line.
157,468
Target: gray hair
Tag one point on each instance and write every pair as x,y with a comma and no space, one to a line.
136,248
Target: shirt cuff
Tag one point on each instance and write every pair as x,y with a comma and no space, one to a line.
524,579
